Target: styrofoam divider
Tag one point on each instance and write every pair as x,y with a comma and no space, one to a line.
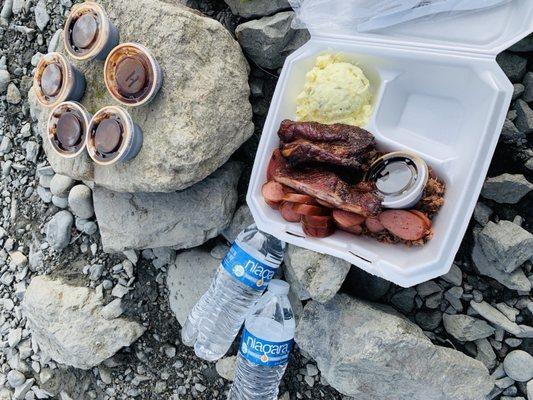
452,122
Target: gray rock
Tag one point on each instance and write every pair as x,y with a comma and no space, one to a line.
226,367
112,310
95,272
199,118
80,201
524,116
427,288
257,8
453,296
18,6
60,202
506,243
180,220
58,230
15,378
528,87
378,354
4,80
454,276
32,151
13,94
513,65
41,15
364,285
485,353
530,390
61,184
495,317
66,323
404,300
506,188
269,40
428,320
6,145
518,90
53,45
241,220
518,365
188,279
482,213
525,45
516,280
313,275
7,10
466,328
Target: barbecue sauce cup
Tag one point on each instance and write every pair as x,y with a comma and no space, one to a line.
67,128
56,80
113,136
400,179
89,33
132,75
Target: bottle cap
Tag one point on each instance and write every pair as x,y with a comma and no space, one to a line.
112,136
400,179
277,286
132,75
89,33
67,128
56,81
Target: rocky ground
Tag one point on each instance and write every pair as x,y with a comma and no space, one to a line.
96,325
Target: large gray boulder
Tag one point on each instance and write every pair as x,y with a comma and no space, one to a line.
269,40
371,352
506,188
506,243
188,279
199,118
257,8
67,324
313,275
180,220
499,250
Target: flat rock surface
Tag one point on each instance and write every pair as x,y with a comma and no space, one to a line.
199,118
370,352
188,279
65,322
313,275
181,220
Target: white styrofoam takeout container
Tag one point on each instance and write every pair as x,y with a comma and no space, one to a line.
438,92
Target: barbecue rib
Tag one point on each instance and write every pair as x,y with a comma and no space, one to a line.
337,144
325,186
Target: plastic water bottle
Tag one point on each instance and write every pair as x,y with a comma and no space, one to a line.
266,343
241,279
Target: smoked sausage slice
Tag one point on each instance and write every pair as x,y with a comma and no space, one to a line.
288,213
273,192
403,224
345,219
374,225
423,216
306,209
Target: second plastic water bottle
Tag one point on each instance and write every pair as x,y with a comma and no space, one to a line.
241,279
266,343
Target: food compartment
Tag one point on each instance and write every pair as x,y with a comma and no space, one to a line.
435,116
408,103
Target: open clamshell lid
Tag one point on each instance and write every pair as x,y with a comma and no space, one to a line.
486,31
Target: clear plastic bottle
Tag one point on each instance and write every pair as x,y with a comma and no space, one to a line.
240,281
266,343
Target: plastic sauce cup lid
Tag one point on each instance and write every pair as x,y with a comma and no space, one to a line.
85,31
108,136
51,79
69,130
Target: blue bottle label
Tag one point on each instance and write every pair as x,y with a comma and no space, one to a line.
247,269
265,353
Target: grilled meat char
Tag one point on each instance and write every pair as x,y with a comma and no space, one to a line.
337,144
325,186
